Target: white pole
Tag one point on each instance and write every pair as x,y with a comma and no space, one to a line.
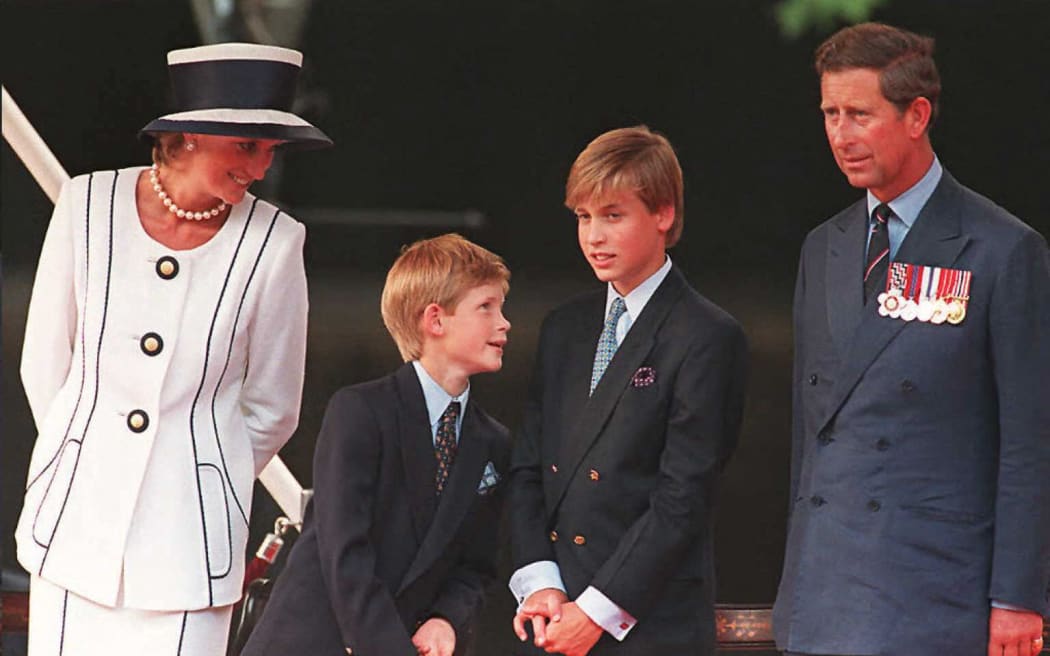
31,149
49,174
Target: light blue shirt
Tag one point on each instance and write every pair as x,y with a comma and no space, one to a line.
635,301
907,206
437,400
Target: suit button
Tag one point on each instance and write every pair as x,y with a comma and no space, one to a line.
813,380
138,421
874,506
554,536
554,468
167,267
825,438
151,344
882,444
579,540
594,475
907,386
817,500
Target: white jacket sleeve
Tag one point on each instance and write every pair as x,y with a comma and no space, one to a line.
52,318
273,385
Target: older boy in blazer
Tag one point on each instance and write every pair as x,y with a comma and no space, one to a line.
635,406
399,540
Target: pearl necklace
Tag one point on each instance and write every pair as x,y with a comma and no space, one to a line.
175,209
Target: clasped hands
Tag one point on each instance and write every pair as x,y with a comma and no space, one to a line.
558,625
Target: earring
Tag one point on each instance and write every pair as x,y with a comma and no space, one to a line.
191,145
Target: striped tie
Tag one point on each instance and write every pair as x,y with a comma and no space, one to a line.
445,444
607,341
878,253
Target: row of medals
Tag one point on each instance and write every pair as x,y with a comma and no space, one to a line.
932,310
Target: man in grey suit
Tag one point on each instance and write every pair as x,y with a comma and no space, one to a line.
920,479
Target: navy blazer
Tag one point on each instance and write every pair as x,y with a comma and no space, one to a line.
920,479
379,553
618,487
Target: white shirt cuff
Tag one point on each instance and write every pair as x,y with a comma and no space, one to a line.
535,576
605,613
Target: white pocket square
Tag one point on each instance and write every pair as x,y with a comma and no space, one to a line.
489,479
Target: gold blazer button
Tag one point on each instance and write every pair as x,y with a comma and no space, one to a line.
138,421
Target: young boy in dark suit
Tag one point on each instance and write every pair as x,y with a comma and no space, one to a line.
399,540
635,406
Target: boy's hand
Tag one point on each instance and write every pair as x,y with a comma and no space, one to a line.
540,607
435,637
574,634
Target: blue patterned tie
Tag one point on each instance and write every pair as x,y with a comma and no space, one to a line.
445,444
607,341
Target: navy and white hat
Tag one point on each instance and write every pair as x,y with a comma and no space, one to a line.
237,90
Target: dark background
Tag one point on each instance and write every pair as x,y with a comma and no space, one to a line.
482,106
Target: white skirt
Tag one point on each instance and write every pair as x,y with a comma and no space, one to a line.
64,624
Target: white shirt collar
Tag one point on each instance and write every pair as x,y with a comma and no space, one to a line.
437,399
640,295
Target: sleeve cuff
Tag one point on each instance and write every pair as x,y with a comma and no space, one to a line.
1006,606
535,576
605,613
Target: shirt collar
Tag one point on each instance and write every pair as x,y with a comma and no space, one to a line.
908,205
437,399
640,295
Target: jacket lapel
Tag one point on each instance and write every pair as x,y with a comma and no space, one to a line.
417,451
935,239
459,494
629,356
844,273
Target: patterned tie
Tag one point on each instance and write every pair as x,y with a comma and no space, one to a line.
607,341
878,253
445,444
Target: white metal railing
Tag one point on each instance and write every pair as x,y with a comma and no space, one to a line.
49,174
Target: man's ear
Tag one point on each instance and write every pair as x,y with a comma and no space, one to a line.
918,114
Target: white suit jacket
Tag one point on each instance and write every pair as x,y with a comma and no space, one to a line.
161,383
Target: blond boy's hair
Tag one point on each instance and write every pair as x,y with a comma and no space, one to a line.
635,159
440,270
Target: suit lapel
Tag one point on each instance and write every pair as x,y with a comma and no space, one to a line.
416,450
459,494
845,272
939,241
935,239
629,356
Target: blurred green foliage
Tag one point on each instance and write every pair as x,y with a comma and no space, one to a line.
797,16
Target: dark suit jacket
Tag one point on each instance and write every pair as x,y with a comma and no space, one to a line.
618,487
921,470
379,553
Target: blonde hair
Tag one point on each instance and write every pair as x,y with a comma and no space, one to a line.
166,146
635,159
440,270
